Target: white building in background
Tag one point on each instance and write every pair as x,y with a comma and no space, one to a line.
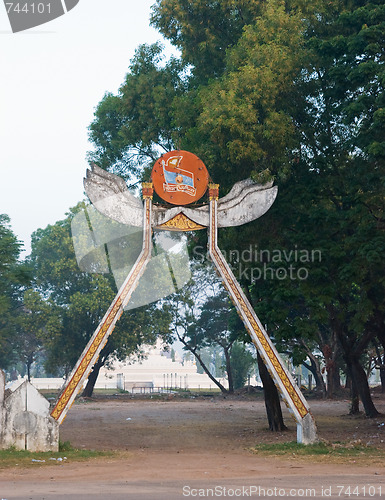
156,371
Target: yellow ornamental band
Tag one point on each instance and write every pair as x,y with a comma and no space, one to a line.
213,191
147,190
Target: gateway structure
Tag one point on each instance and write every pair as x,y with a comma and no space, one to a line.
180,178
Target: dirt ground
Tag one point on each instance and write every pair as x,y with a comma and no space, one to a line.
201,447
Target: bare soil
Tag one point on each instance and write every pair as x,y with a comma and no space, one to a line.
205,423
176,448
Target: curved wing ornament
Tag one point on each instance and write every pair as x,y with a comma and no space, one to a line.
245,202
109,194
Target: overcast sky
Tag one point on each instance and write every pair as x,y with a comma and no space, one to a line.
51,79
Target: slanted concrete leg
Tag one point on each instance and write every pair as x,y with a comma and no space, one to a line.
92,350
291,393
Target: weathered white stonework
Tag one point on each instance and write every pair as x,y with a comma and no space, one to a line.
25,420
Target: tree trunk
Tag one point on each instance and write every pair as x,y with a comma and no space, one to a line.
315,369
355,399
330,346
330,369
28,363
361,383
354,368
229,371
336,378
89,388
272,400
348,381
381,367
382,378
354,396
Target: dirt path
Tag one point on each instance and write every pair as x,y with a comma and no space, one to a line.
198,448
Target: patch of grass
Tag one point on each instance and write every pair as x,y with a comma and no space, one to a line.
65,446
198,390
66,454
351,449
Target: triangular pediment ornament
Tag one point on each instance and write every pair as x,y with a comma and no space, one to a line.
181,223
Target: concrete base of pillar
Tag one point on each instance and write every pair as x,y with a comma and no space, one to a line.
307,430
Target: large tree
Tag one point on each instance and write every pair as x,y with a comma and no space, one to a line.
37,324
334,198
343,146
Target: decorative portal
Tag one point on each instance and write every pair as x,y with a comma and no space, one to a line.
180,178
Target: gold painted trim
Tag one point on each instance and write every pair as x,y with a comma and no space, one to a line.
213,191
181,223
243,304
107,326
147,190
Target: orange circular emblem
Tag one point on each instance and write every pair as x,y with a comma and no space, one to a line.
180,177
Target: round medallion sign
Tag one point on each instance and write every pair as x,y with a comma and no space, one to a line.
180,177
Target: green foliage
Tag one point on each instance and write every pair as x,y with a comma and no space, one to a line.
14,275
238,120
65,446
247,109
242,364
37,325
203,31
